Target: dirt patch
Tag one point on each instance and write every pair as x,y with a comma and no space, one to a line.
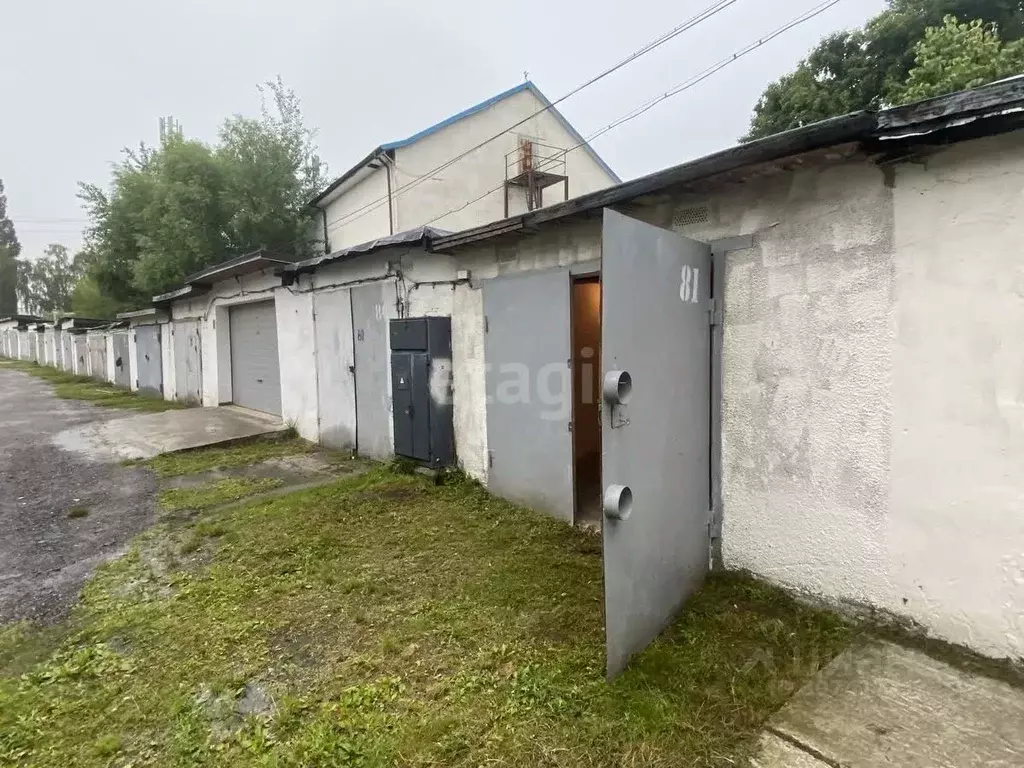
46,552
290,470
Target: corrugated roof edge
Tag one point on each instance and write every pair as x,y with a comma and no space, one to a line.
945,112
419,235
234,261
526,86
20,318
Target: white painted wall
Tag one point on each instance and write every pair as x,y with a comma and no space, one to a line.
49,337
133,361
484,169
457,186
355,216
167,361
111,361
295,335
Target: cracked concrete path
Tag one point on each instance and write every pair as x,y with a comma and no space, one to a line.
46,555
878,704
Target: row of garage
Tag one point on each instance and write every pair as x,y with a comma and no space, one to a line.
147,351
141,356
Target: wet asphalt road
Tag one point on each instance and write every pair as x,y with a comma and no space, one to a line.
45,555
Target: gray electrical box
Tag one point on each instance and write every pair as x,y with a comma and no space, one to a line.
421,376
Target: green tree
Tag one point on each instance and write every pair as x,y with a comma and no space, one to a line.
88,300
173,210
45,284
9,250
855,70
955,57
272,170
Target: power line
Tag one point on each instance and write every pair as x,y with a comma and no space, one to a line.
712,10
31,220
685,86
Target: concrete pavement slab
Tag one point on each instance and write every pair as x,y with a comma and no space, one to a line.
774,753
147,435
878,704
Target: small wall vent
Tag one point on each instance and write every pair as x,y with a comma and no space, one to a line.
690,216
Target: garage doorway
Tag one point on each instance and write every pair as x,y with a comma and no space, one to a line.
586,398
255,368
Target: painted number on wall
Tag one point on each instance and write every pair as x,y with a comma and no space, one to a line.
689,290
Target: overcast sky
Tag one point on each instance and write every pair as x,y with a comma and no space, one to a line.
81,80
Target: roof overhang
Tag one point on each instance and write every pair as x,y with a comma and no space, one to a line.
236,267
147,316
81,324
357,173
420,236
19,320
201,282
185,292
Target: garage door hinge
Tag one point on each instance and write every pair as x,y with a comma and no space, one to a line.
487,324
714,312
490,459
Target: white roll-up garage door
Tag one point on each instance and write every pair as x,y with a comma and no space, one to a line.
255,370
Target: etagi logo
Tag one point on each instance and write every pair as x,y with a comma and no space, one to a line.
548,385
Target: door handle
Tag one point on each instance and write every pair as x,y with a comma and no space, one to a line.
259,381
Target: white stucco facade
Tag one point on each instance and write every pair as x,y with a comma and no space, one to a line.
469,192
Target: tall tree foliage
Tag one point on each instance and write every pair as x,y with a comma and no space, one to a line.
955,57
9,250
45,284
860,69
185,205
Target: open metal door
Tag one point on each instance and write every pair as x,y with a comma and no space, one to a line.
656,423
529,389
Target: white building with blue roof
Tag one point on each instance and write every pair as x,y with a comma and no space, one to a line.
515,153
